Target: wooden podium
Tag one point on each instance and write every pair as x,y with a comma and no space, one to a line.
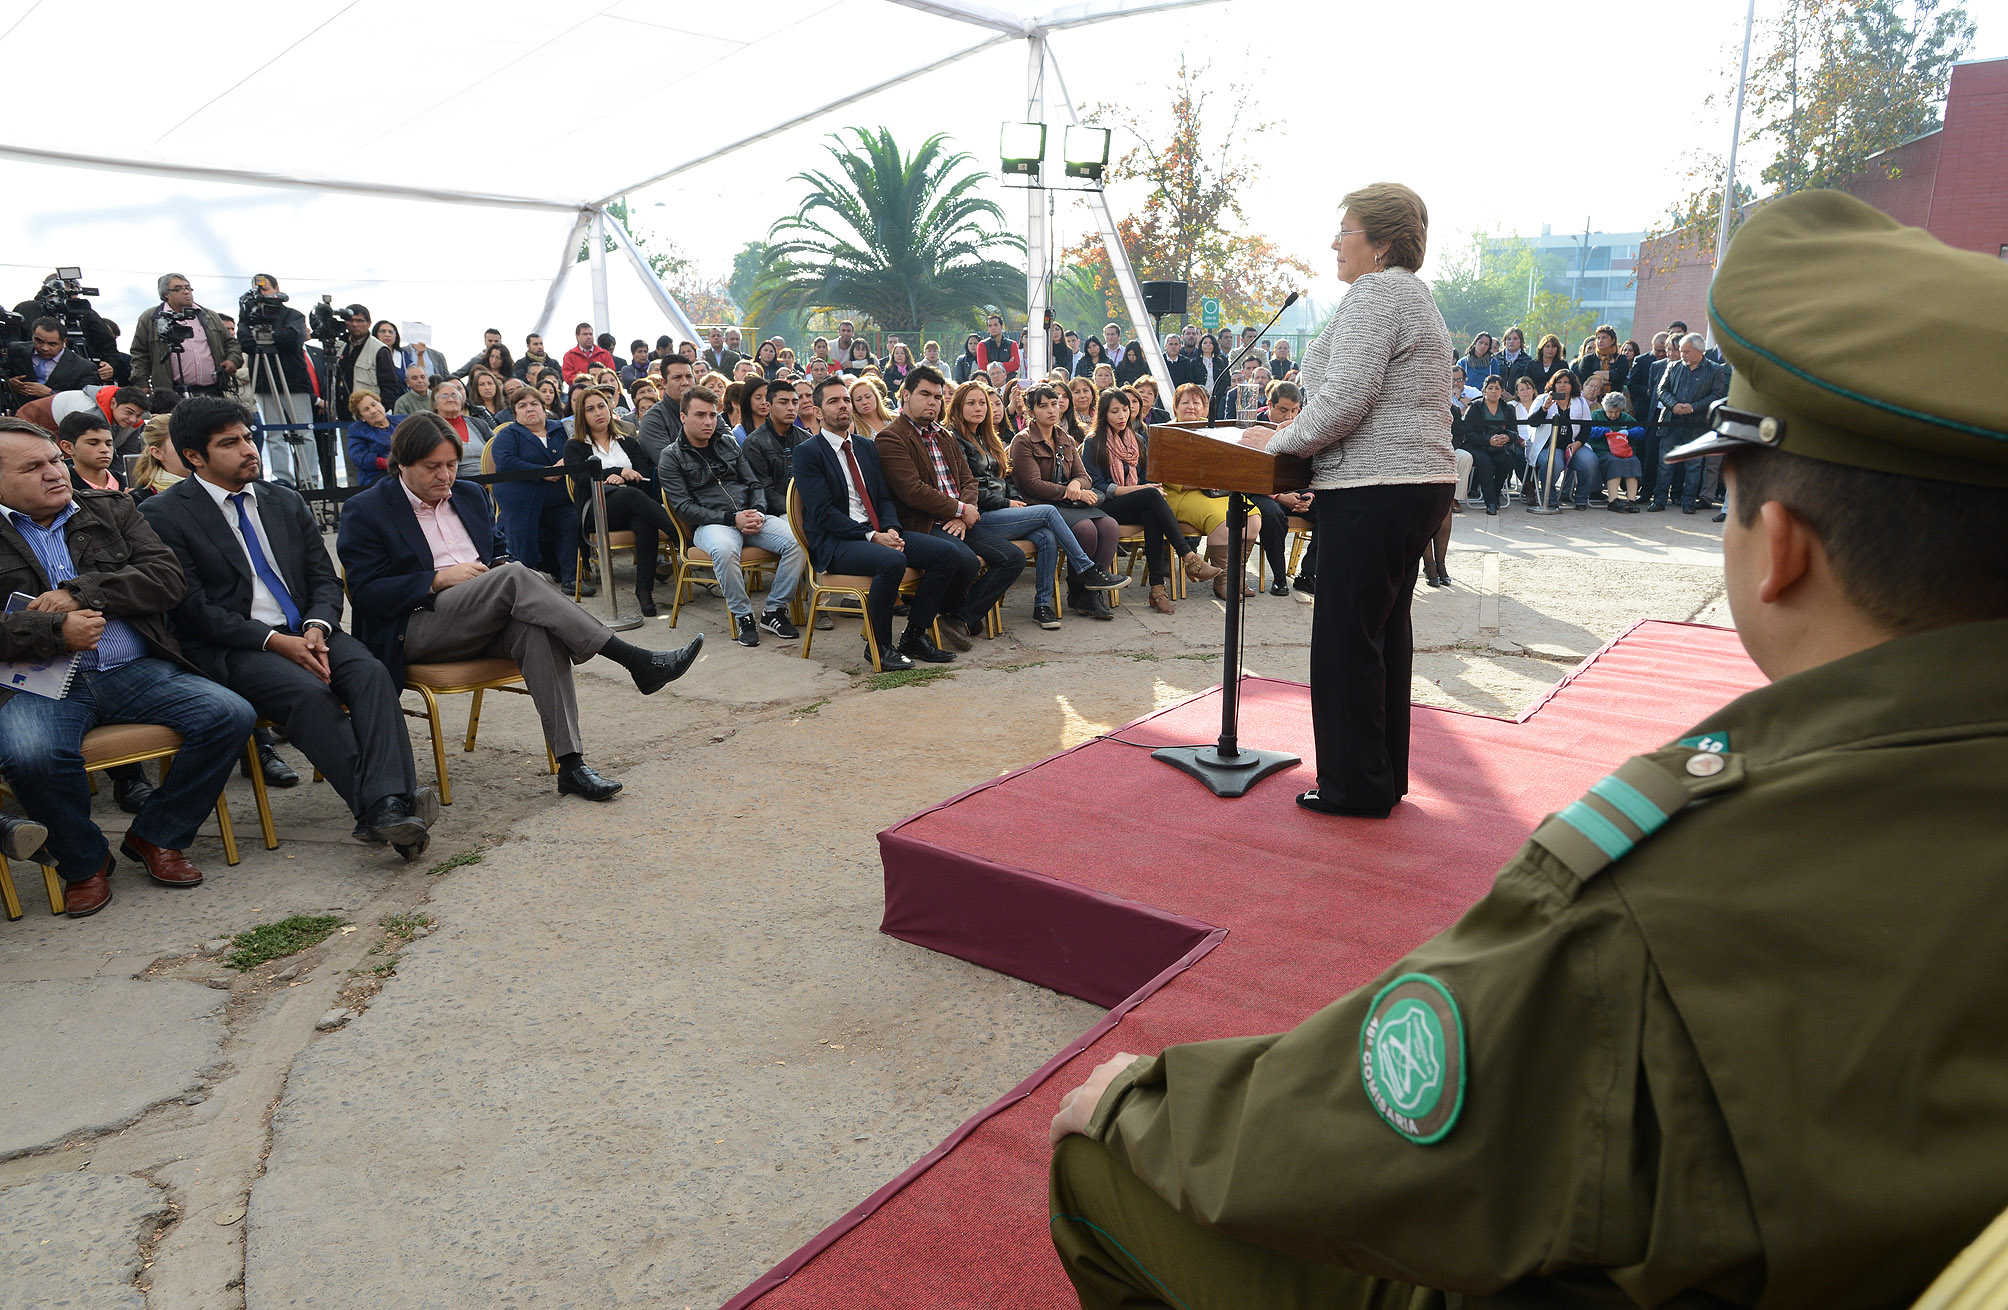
1231,457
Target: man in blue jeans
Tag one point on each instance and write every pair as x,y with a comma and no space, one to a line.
101,585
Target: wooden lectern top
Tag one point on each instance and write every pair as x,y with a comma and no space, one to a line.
1224,457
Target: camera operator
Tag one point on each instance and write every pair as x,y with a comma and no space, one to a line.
366,365
264,308
53,366
62,296
208,361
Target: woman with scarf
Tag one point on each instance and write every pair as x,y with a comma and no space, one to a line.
1118,458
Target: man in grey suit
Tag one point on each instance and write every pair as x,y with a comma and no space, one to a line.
262,615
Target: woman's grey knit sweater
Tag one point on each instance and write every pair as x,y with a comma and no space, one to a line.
1377,389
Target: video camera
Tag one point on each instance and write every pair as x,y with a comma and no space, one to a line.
328,325
174,327
258,313
63,297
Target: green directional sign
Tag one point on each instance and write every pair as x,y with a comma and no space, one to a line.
1209,314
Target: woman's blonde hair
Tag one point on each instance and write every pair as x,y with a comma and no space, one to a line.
147,469
985,433
1391,212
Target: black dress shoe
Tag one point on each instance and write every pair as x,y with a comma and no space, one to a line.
411,850
586,589
1310,800
580,780
666,667
891,661
647,604
277,772
955,631
916,645
1279,586
132,794
391,821
20,839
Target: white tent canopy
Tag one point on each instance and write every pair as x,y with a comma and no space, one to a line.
357,145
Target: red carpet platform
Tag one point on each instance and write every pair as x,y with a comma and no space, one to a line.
1104,874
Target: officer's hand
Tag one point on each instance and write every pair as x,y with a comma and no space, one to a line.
82,628
1078,1106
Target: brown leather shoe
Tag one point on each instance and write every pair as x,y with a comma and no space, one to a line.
86,897
168,868
1160,600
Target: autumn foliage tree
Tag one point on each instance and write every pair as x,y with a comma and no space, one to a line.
1191,227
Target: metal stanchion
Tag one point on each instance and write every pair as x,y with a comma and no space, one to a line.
613,620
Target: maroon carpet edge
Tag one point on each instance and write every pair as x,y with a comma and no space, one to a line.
864,1210
1060,935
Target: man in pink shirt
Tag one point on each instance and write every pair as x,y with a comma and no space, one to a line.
430,579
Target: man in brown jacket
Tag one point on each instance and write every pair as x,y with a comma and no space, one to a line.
100,585
936,494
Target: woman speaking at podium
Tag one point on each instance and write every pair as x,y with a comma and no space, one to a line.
1377,432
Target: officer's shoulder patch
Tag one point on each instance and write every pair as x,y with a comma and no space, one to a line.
1412,1057
1624,808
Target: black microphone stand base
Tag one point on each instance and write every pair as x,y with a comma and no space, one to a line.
1225,775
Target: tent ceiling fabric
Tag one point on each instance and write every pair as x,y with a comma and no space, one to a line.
384,83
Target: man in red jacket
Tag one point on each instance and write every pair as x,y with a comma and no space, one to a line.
586,355
999,349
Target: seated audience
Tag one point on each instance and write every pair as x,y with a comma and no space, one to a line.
448,401
1118,461
851,525
1206,511
86,441
714,489
417,397
1612,437
429,580
1286,402
537,517
262,615
368,437
1047,468
1563,420
485,395
662,426
633,504
973,414
158,466
102,584
769,446
936,494
1488,431
871,411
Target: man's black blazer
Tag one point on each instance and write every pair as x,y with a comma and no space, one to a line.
73,372
214,616
826,496
389,561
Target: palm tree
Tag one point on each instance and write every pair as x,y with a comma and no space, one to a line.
894,237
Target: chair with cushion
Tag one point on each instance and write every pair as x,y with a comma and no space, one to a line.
694,567
107,748
458,677
848,589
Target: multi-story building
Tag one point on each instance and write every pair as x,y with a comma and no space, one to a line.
1593,267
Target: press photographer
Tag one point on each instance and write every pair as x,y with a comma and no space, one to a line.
182,347
274,341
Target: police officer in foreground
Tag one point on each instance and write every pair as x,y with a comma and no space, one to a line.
1727,1031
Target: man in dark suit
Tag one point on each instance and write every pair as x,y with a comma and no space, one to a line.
428,580
54,366
262,615
852,526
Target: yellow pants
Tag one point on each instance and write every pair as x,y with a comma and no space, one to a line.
1199,509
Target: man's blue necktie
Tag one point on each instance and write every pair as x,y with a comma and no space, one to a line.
262,566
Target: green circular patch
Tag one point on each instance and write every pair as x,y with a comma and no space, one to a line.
1412,1057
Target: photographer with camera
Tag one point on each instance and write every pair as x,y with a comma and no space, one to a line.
53,366
182,347
62,298
366,366
267,327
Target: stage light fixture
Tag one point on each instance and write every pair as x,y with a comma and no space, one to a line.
1023,147
1087,152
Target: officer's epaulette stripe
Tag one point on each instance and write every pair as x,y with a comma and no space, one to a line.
1612,840
1632,803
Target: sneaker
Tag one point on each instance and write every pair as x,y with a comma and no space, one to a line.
1046,617
1096,579
776,622
749,632
824,623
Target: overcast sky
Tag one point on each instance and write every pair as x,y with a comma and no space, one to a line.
1418,92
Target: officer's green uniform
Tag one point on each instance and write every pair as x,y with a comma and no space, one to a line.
1728,1030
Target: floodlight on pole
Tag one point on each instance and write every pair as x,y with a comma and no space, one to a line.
1086,152
1023,147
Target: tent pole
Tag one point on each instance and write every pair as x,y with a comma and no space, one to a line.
1145,327
602,312
679,320
571,257
1037,359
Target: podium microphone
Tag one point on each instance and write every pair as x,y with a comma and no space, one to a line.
1235,363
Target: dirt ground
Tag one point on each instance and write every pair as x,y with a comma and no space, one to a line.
632,1053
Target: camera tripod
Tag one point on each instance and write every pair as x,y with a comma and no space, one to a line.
268,379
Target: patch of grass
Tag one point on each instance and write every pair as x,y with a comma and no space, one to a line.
1198,655
404,927
456,861
906,678
386,969
811,707
1020,668
269,941
1143,656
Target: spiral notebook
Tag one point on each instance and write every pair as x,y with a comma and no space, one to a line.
50,677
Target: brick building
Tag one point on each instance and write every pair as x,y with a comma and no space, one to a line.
1953,183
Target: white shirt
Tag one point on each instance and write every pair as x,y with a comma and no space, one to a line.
1536,435
857,506
613,457
265,607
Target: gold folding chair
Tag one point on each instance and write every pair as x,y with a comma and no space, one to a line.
694,566
852,586
107,748
478,676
